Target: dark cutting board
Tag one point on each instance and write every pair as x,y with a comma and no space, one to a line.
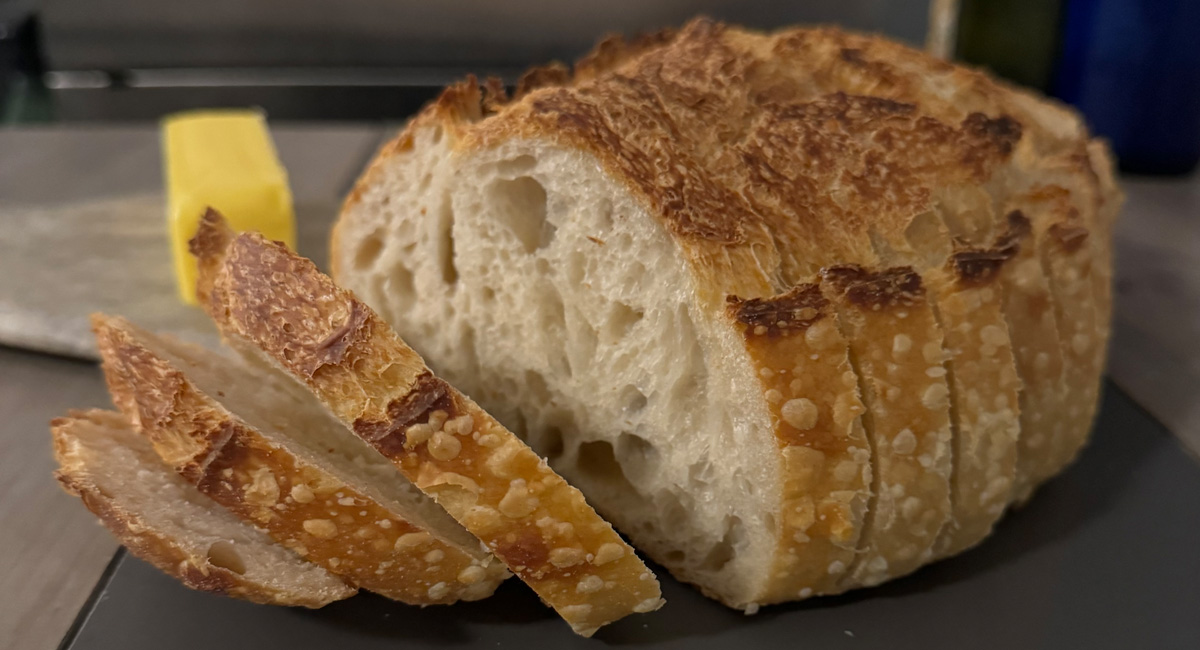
1106,556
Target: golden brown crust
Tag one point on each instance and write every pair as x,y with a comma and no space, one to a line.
301,506
163,552
1067,266
812,394
897,349
484,476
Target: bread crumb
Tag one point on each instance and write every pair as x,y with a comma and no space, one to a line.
417,434
589,584
437,418
444,446
836,567
901,344
263,490
932,352
821,335
648,605
805,592
439,590
320,528
566,557
608,552
517,502
301,493
800,412
935,396
471,575
435,556
751,609
773,396
411,540
460,425
845,470
905,442
993,335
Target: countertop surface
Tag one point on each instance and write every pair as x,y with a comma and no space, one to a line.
54,550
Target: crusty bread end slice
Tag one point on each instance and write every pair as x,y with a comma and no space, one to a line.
279,461
262,295
165,521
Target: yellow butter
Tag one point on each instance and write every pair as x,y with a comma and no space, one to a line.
222,159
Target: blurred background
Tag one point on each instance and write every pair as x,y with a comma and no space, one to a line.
1132,66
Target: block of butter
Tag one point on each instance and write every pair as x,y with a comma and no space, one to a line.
224,159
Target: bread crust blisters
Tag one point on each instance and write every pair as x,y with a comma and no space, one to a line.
188,560
260,293
302,506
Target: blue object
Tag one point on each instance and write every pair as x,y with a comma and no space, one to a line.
1133,68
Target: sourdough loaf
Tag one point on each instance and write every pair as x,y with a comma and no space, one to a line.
799,312
247,440
164,520
278,309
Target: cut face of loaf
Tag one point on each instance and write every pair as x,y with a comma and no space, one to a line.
791,309
251,441
165,521
279,309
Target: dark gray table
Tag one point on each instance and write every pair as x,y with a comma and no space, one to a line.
1107,556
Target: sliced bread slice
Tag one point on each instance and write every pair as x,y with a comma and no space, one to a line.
278,307
167,522
281,462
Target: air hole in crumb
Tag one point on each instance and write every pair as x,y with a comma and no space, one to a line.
426,181
520,204
620,321
551,443
632,400
554,315
535,389
513,167
721,553
675,514
224,555
437,134
446,243
400,289
604,210
516,423
676,556
692,370
368,252
489,294
637,457
575,268
598,463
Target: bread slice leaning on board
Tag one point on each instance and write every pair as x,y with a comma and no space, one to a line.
164,520
278,310
253,443
799,311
